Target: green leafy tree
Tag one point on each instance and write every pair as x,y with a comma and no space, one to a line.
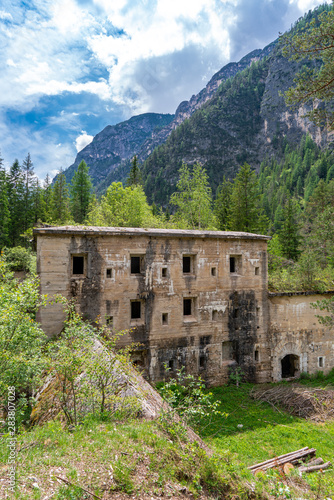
124,207
134,178
21,338
193,199
313,42
60,209
81,190
246,212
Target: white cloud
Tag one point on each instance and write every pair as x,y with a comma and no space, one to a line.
5,16
83,140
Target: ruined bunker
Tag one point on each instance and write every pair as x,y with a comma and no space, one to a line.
192,299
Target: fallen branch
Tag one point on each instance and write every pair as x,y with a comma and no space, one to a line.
66,481
326,465
292,457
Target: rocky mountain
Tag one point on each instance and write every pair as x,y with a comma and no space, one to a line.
117,144
108,155
239,116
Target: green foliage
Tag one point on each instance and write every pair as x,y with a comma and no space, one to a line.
60,201
246,213
134,178
313,42
81,187
289,235
188,403
122,206
21,338
325,305
222,204
19,259
193,199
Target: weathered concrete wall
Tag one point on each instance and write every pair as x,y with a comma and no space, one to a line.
231,320
295,330
229,307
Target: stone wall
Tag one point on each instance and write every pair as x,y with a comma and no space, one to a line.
295,331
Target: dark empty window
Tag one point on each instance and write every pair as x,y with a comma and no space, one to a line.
321,362
164,318
214,315
186,264
213,271
202,361
257,271
110,320
164,272
256,355
232,265
135,265
108,273
78,264
136,309
171,364
187,307
236,313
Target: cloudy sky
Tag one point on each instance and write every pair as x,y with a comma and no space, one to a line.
71,67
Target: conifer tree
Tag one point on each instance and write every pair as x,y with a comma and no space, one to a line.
246,212
47,194
60,209
222,205
29,178
289,234
134,178
16,192
80,193
4,207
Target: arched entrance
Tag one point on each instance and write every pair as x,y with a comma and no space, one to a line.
290,366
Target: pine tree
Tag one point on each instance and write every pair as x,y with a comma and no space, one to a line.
289,234
80,193
246,212
47,194
16,192
60,210
4,207
222,205
29,178
134,178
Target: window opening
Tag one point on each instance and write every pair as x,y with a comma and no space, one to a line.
187,307
110,320
164,318
171,364
321,362
257,271
135,265
186,264
232,264
214,315
256,355
135,309
78,264
213,271
108,273
227,351
202,361
164,272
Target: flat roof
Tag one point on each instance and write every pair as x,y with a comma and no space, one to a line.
140,231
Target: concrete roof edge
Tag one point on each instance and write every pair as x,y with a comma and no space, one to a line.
130,231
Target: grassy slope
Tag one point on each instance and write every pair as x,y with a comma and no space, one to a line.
135,458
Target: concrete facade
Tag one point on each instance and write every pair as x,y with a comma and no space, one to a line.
196,299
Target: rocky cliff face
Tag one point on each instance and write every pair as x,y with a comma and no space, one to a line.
117,144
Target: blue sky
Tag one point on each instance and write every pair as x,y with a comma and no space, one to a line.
72,67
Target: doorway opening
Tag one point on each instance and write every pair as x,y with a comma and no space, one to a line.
290,365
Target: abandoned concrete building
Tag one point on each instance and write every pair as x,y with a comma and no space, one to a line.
193,299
